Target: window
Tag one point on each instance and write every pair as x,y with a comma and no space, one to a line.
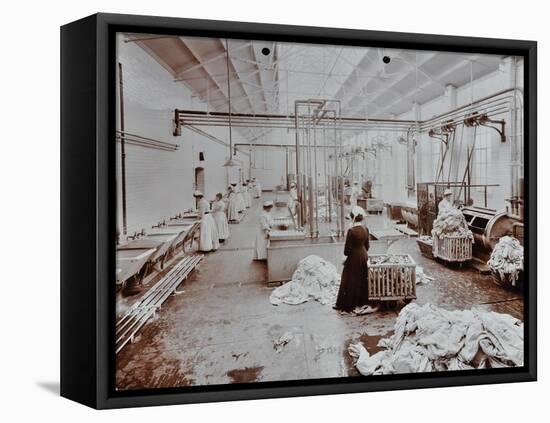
481,156
436,157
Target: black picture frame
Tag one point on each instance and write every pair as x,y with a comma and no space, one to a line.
88,197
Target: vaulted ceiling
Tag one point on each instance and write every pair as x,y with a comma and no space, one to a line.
267,77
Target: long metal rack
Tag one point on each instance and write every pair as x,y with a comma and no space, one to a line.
137,316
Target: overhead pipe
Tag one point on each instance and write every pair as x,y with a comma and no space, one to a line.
364,123
492,105
215,139
130,138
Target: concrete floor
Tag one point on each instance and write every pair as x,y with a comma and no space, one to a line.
221,329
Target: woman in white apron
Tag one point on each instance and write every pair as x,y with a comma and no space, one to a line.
354,194
218,213
264,228
208,238
240,199
246,195
232,206
250,190
257,188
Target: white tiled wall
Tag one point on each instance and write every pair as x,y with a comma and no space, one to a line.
159,183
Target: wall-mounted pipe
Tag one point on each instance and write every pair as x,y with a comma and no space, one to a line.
129,138
122,150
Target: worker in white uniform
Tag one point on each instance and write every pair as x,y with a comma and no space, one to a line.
354,194
250,190
241,206
293,199
246,195
446,203
232,206
218,213
257,188
264,229
208,238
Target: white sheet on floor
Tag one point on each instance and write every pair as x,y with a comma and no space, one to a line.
314,278
429,339
421,277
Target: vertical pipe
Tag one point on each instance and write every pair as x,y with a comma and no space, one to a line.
298,178
286,169
327,180
341,177
309,171
122,150
229,98
339,184
303,202
250,164
316,190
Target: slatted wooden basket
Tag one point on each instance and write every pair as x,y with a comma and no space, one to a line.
392,281
426,248
454,249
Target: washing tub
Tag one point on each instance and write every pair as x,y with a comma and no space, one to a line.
283,255
129,262
177,232
161,243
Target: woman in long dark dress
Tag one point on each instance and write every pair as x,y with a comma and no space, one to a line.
353,290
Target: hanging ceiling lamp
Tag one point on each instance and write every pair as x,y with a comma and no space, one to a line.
230,162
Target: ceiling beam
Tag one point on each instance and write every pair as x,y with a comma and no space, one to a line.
440,76
180,72
383,87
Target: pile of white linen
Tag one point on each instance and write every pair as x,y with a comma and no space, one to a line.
451,222
314,278
426,239
429,339
399,259
507,258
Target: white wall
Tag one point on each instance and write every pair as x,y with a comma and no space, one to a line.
394,169
160,184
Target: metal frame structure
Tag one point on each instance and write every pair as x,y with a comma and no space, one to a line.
478,112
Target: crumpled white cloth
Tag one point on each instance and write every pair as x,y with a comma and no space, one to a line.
507,258
314,278
429,339
421,277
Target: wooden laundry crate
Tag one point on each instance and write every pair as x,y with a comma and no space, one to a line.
392,281
426,248
453,249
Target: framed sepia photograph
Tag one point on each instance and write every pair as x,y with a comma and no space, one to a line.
259,211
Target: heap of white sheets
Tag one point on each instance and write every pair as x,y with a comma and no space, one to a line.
314,278
429,339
